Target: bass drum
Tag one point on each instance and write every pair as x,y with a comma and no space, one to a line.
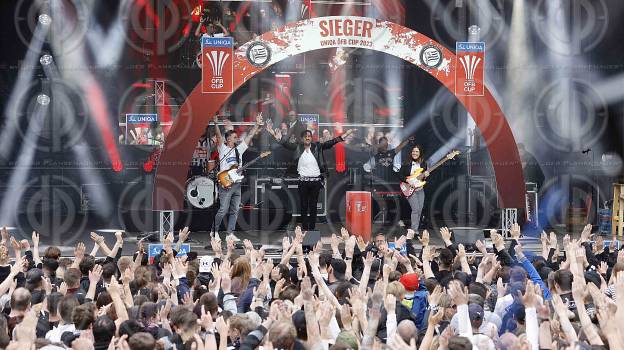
201,192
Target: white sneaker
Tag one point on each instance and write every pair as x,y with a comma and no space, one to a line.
215,234
233,237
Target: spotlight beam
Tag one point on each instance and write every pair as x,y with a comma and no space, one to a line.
19,176
23,83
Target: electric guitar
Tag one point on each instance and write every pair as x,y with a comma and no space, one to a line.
229,177
416,181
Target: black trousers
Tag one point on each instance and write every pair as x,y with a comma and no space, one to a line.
308,198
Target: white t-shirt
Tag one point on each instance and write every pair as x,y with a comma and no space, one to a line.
415,165
307,165
227,155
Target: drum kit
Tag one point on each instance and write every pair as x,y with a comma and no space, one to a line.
201,192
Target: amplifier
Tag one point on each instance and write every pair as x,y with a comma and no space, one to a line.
283,193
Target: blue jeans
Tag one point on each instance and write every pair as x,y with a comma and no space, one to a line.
416,201
229,203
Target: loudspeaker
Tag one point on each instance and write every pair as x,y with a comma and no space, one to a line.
467,235
283,193
309,241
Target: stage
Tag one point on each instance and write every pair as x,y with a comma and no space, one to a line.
271,240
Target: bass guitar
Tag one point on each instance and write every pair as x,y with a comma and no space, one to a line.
416,181
229,177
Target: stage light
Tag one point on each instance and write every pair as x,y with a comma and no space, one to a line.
117,166
148,166
45,60
45,19
43,99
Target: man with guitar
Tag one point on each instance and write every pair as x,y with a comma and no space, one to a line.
413,175
311,168
231,155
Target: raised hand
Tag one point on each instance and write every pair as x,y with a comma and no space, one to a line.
360,243
446,235
95,274
586,233
424,239
5,234
79,251
410,233
119,236
458,294
552,240
350,246
97,238
500,288
344,233
17,247
222,326
480,246
461,251
368,261
498,241
436,295
398,243
313,259
183,234
531,295
566,241
35,238
515,231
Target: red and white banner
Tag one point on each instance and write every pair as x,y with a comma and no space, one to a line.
217,65
469,72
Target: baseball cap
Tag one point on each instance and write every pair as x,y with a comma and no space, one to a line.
475,312
205,264
339,267
410,281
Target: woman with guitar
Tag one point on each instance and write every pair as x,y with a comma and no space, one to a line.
415,166
413,175
231,156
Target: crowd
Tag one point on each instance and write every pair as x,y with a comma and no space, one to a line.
356,295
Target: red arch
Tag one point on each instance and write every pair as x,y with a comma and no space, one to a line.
304,36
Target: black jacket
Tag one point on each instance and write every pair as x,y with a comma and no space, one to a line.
317,149
406,170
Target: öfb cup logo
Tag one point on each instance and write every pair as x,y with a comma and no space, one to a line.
218,74
469,69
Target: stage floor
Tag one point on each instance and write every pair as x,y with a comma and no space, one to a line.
271,240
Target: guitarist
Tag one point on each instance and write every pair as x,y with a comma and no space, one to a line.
231,153
311,168
417,199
